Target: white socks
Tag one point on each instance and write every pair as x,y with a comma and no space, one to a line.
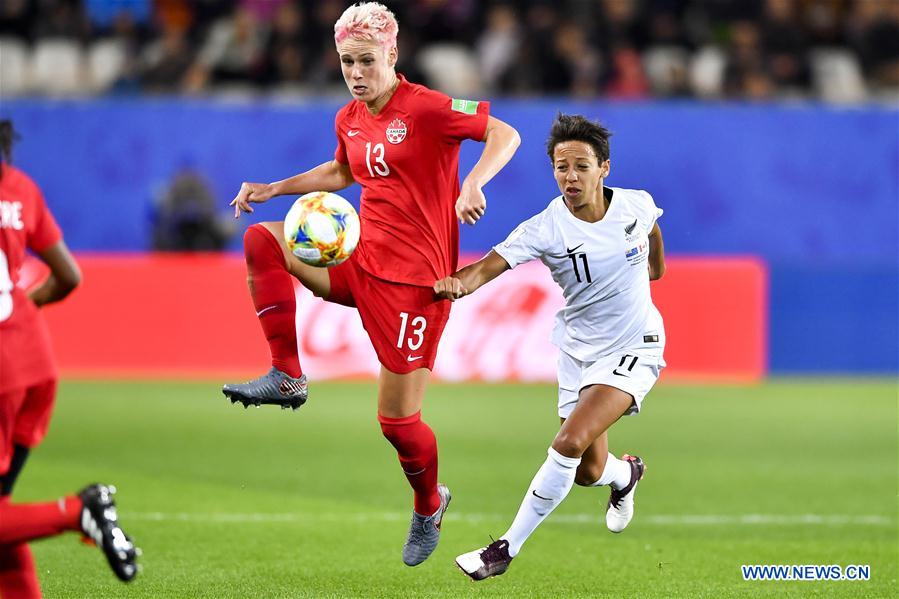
617,473
549,487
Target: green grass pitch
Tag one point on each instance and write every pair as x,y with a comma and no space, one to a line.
264,503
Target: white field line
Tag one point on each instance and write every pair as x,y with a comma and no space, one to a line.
652,519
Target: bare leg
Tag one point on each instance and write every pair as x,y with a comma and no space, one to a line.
599,406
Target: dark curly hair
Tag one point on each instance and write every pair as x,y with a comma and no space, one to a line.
574,127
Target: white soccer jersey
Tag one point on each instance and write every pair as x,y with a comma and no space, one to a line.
602,270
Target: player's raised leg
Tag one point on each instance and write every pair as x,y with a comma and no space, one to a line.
399,412
599,468
270,272
599,406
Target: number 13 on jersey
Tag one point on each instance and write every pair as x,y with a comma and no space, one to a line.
412,333
374,160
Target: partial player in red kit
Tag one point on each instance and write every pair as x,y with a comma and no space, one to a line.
28,389
400,141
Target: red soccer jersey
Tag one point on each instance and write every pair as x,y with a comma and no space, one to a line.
406,158
26,357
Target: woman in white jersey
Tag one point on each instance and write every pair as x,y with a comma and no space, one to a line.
602,246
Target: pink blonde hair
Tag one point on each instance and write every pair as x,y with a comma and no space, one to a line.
367,21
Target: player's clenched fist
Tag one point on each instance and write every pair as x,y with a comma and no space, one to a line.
471,205
251,193
449,288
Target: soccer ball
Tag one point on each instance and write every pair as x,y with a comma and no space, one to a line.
321,229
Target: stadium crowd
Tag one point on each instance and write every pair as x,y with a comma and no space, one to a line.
833,50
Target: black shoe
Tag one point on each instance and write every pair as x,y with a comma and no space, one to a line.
99,523
274,388
488,561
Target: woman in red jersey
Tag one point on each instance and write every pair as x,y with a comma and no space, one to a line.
400,141
28,389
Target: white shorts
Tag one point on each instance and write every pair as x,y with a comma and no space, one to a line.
634,371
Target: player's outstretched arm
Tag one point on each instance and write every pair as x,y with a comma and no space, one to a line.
329,176
500,142
468,279
656,254
64,277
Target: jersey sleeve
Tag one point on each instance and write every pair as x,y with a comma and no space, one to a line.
457,119
527,242
46,231
652,211
340,152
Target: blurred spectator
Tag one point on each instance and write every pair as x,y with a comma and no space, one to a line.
186,218
231,53
498,44
824,21
578,64
627,80
744,75
532,69
874,34
61,19
785,45
666,60
166,61
442,20
324,71
620,24
284,57
264,10
17,18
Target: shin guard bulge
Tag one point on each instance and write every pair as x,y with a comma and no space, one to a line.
416,447
271,287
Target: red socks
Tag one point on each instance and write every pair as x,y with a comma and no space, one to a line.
18,577
416,447
271,287
20,523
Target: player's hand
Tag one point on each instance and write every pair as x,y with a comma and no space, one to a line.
251,193
449,288
471,205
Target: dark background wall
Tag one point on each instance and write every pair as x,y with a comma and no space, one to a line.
812,190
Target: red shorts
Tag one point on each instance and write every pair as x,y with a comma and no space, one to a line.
404,322
24,418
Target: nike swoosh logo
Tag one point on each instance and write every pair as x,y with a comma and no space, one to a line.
540,496
413,358
264,310
572,250
352,133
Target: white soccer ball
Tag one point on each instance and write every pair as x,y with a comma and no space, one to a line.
321,229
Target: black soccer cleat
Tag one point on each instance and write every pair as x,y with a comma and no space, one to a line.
492,560
99,523
273,388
